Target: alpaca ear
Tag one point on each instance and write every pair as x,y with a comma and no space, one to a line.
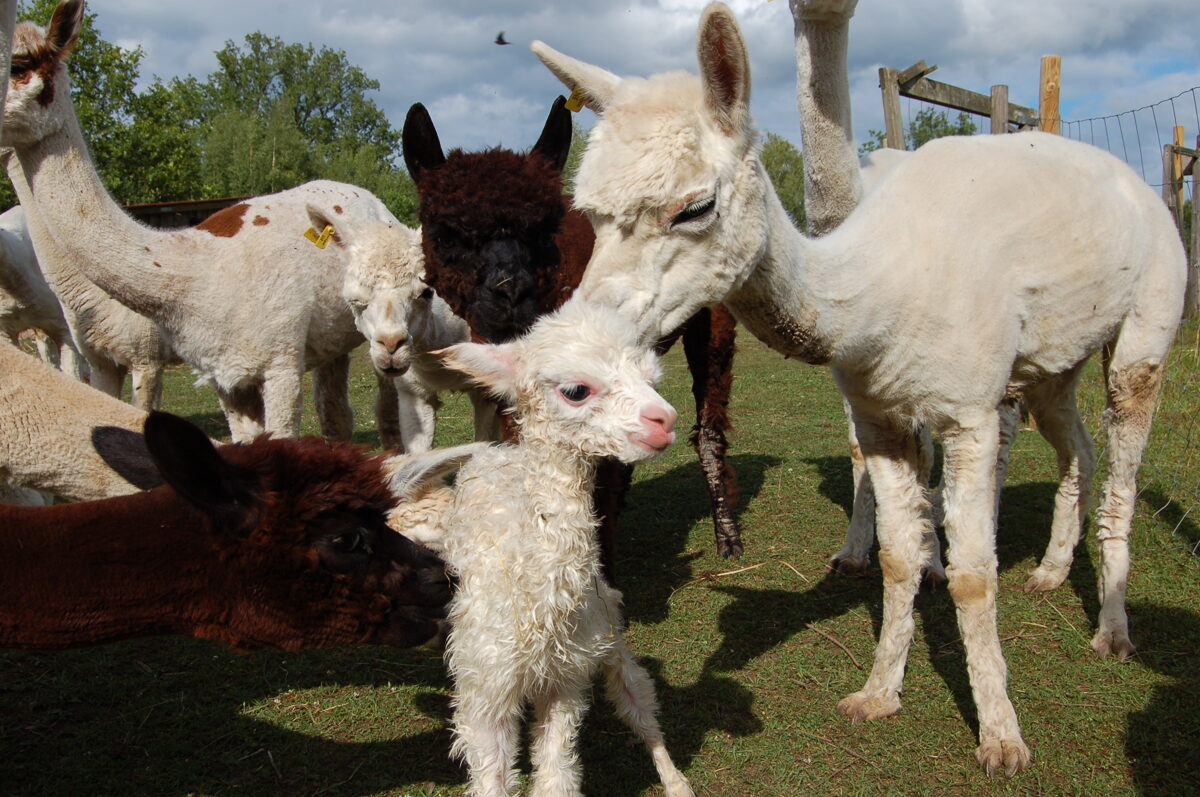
595,84
64,27
490,364
195,469
320,218
555,142
420,143
411,474
724,68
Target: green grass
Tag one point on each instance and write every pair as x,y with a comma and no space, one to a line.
750,656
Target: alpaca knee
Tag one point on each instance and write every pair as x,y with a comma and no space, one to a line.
971,590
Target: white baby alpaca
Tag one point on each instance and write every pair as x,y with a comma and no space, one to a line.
533,618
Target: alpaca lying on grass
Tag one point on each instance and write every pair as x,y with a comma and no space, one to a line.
278,542
403,321
935,301
533,619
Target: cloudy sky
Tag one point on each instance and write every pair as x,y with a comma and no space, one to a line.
1117,54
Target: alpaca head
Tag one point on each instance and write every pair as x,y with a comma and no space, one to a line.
383,283
489,220
299,526
39,90
670,180
580,380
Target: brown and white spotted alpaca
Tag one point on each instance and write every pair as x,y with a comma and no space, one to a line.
243,298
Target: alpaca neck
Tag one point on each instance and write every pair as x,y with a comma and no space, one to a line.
560,479
77,293
832,182
84,574
111,249
797,292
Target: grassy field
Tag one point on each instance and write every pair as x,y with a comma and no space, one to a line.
750,656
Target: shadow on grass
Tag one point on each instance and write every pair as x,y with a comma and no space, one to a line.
652,558
164,716
1162,740
211,423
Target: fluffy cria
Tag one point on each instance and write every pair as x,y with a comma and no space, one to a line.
533,619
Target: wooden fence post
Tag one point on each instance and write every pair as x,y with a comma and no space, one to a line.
1048,99
1169,177
893,122
999,109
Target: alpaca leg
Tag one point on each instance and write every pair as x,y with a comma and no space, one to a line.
708,344
71,362
387,413
903,527
417,408
147,386
487,417
106,375
631,691
1133,387
243,408
557,716
1010,418
854,558
282,393
1053,408
970,466
486,732
46,352
331,396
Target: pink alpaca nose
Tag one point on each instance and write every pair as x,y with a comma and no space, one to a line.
658,425
391,343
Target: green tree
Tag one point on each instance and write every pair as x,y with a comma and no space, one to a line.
579,138
928,124
785,167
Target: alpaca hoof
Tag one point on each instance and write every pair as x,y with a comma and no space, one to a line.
849,564
677,786
1044,579
860,707
1115,642
730,546
1008,755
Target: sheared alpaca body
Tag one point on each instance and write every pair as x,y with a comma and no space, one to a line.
277,542
47,424
934,301
533,618
26,301
503,247
404,321
834,185
242,298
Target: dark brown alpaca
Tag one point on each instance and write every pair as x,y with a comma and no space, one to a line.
502,247
273,543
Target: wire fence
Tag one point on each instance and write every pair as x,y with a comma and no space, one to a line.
1169,480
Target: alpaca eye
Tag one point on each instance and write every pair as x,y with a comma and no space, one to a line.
575,393
426,294
694,211
351,542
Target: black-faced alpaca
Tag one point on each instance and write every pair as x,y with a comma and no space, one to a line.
502,247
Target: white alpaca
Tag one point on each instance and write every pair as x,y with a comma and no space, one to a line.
26,301
404,321
533,619
242,298
981,268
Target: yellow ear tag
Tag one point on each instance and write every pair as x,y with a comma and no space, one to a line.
575,101
322,239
